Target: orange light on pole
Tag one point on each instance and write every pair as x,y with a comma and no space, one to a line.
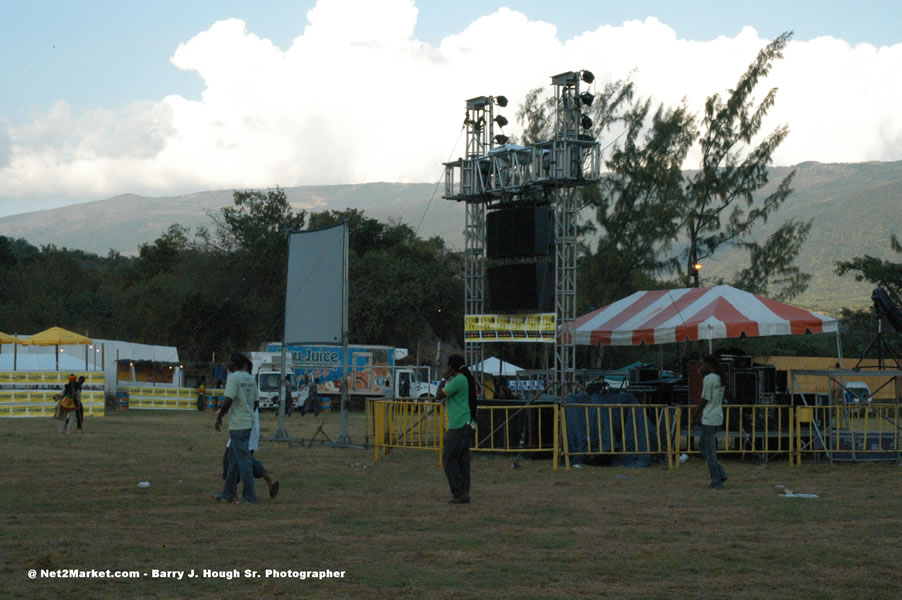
697,267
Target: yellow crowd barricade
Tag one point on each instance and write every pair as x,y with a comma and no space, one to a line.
418,425
42,403
761,430
619,429
519,428
60,378
33,393
166,398
848,432
407,424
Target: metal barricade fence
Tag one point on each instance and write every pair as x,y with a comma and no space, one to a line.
421,426
618,429
844,432
762,430
520,429
167,398
42,403
834,432
407,424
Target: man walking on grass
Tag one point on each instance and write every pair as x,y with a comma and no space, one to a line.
240,394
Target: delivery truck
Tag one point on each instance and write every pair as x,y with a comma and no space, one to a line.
371,372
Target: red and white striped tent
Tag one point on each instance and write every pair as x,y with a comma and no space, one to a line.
710,313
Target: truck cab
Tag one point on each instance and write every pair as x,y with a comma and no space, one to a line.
269,387
409,384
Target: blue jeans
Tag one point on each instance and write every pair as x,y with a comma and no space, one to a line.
709,451
240,464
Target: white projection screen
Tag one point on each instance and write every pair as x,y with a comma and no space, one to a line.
315,290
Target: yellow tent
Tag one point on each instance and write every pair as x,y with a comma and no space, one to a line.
57,336
5,338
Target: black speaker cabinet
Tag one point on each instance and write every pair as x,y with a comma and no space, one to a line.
521,288
745,386
768,378
782,380
738,361
519,232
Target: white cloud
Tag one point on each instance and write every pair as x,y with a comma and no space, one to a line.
356,98
6,144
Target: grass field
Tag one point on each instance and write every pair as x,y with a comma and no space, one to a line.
74,503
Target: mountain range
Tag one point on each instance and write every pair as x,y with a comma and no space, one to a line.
855,208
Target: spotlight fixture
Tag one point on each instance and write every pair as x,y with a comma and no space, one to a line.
501,139
501,101
587,76
500,120
586,122
587,98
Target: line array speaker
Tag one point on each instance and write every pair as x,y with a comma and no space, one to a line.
521,288
520,232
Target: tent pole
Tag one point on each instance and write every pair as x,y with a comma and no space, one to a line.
839,346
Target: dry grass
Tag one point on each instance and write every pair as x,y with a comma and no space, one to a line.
73,502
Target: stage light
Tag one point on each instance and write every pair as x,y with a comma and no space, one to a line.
697,266
587,98
884,305
501,101
588,77
500,120
501,139
586,122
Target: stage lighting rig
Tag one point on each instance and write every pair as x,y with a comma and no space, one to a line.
587,98
501,139
587,76
501,121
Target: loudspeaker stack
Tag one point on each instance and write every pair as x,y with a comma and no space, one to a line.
520,269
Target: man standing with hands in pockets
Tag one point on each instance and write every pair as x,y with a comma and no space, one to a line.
240,393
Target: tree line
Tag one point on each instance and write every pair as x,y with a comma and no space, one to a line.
222,288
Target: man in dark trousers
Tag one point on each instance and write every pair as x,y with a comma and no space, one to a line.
458,386
312,404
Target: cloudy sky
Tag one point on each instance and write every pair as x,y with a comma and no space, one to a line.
103,97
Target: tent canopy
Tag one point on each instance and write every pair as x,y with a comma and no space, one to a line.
5,338
709,313
57,336
496,366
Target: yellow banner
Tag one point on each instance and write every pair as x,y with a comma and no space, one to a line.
538,327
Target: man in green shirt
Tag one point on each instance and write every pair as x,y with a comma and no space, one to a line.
459,385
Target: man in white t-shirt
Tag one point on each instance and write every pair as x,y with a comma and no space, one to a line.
253,445
709,412
240,394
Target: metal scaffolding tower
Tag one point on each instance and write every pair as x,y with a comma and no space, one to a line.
494,172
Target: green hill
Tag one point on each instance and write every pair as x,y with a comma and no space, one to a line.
855,208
